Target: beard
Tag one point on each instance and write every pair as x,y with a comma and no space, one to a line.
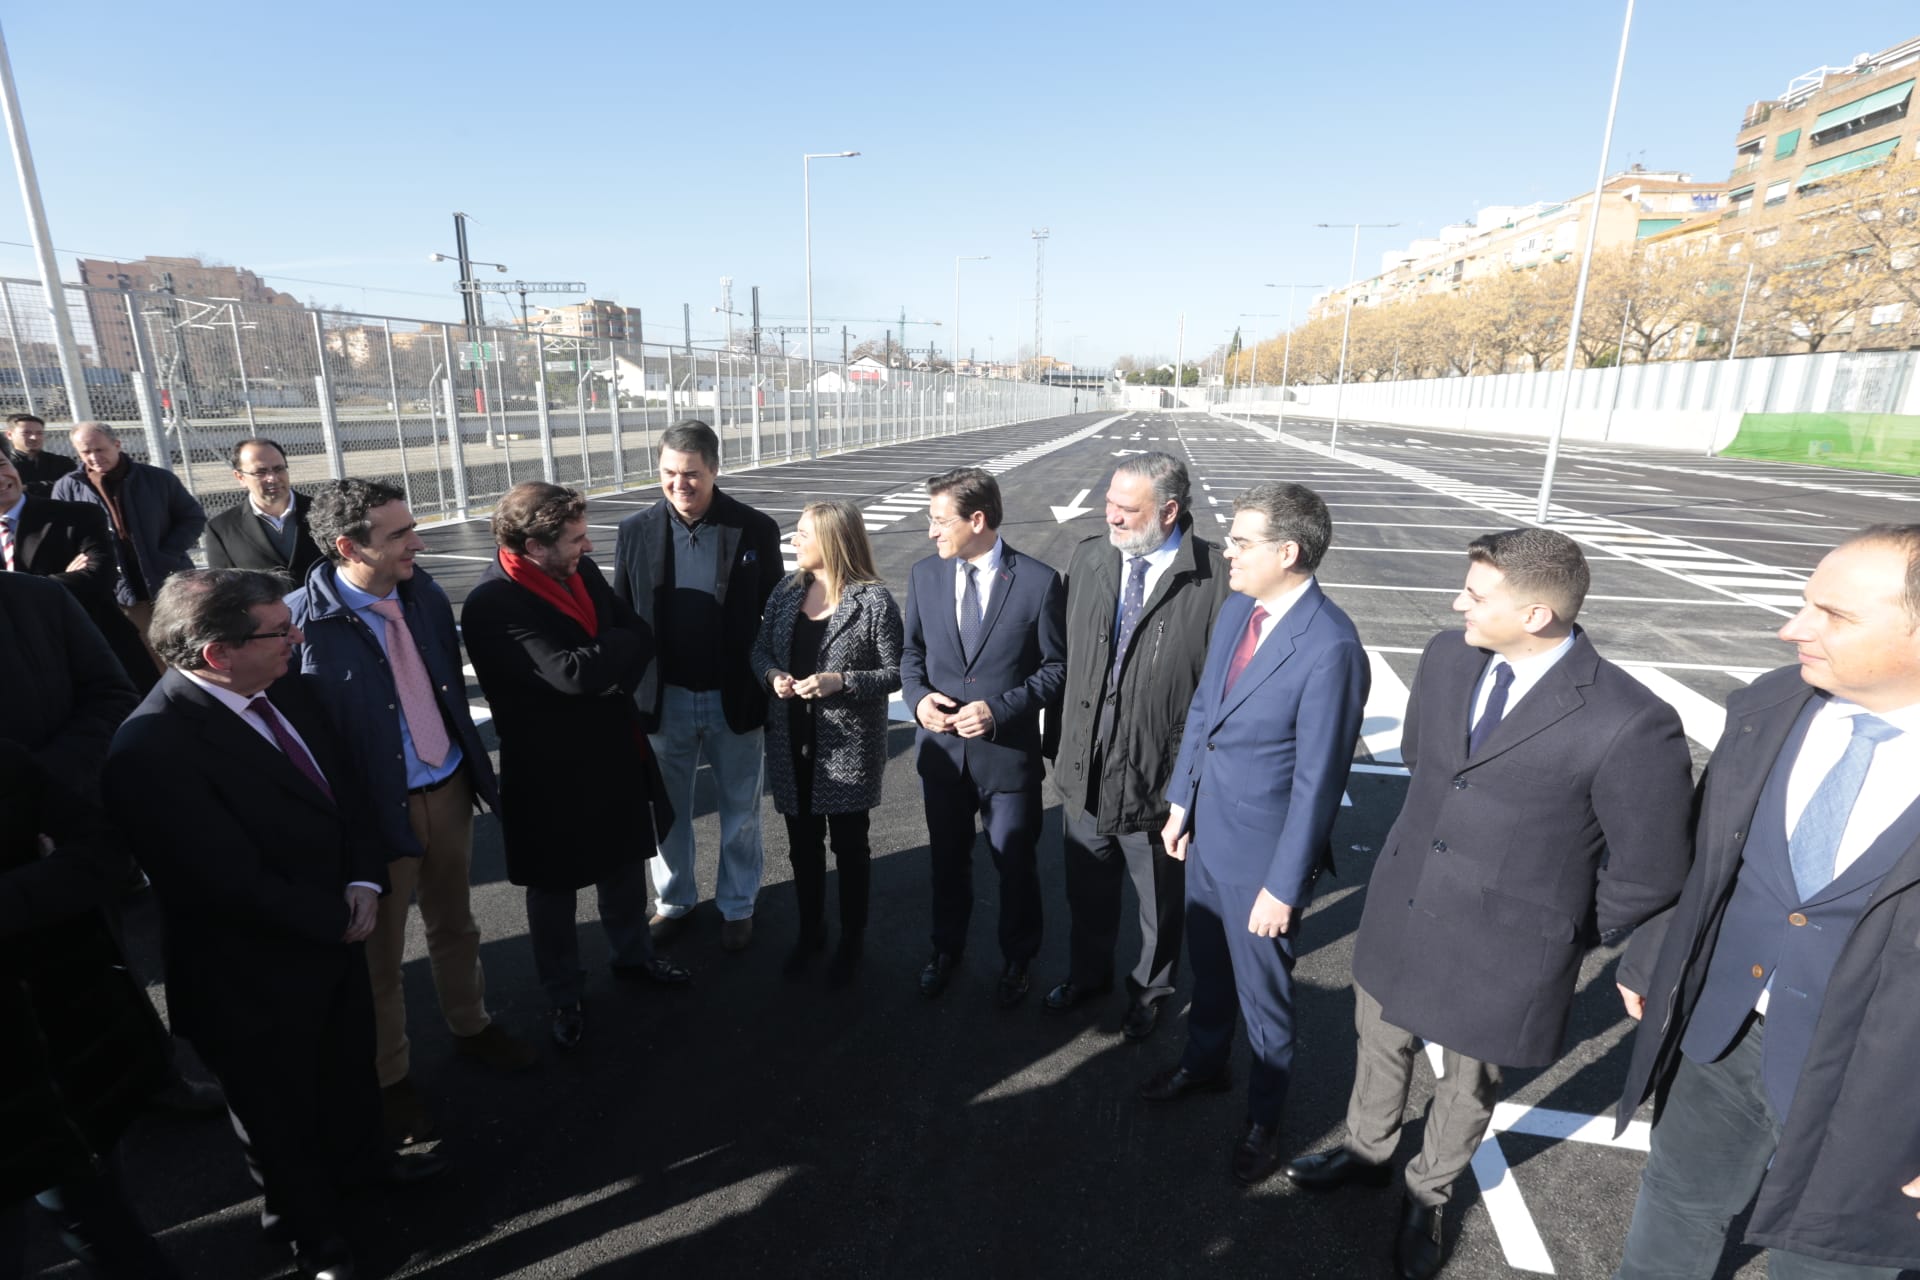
1136,544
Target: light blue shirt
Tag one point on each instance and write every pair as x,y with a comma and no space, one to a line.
418,774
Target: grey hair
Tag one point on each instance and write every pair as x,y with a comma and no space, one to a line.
1168,474
199,607
101,427
1294,514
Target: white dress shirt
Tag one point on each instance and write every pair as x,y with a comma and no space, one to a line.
1277,609
1158,561
989,566
277,521
1527,672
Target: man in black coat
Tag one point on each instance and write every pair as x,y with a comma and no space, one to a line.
1141,600
68,693
68,541
40,468
268,529
697,567
269,872
1782,991
558,656
1547,811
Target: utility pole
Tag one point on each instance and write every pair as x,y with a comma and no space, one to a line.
726,305
468,301
1039,291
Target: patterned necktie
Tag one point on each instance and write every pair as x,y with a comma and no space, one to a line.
970,619
1496,707
6,543
1815,843
1133,603
1249,641
415,687
290,745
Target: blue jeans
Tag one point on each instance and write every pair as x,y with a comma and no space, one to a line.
1711,1146
692,723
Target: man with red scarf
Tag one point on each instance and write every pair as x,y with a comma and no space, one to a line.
558,658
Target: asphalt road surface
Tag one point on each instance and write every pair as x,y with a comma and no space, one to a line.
759,1126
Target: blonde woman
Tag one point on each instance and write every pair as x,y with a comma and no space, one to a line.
829,649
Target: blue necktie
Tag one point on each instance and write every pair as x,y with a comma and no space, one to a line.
1496,708
1133,603
970,619
1815,842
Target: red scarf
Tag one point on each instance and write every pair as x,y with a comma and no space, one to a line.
570,597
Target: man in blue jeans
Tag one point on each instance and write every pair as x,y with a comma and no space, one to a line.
698,567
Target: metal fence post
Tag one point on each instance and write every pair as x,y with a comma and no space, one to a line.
613,418
323,389
13,332
455,444
157,453
399,426
540,404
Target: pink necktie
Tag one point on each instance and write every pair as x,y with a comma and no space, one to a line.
414,686
6,543
1243,653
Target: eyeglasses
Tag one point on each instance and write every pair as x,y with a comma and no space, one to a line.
948,523
262,473
281,634
1237,545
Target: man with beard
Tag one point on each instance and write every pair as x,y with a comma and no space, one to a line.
269,529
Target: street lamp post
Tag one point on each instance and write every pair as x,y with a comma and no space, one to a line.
1286,352
958,259
1346,327
806,197
1253,379
1565,391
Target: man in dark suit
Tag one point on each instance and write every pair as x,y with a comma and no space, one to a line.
268,530
68,541
1548,811
39,468
1781,994
1263,763
269,871
985,652
71,693
697,567
1141,600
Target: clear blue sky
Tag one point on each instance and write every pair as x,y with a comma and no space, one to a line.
651,149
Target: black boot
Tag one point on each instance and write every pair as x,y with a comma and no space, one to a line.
812,938
846,959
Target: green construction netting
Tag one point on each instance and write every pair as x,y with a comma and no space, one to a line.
1888,442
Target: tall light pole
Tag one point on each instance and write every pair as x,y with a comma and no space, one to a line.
958,259
806,195
1565,390
1346,328
1286,352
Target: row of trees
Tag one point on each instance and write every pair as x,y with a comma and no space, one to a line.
1841,268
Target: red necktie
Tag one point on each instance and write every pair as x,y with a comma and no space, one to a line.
1249,641
290,745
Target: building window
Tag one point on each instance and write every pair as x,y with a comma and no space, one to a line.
1887,313
1777,192
1766,239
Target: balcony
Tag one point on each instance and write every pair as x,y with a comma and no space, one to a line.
1741,170
1758,113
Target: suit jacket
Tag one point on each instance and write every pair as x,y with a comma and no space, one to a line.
69,693
1852,1136
1262,766
51,535
1570,824
1018,669
250,860
750,568
163,521
237,539
40,474
861,643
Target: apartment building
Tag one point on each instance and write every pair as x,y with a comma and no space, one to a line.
594,318
187,277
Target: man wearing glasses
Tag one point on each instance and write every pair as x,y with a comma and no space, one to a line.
268,530
1263,763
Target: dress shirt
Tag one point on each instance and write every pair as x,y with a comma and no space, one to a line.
279,522
989,566
12,516
1276,607
238,705
418,774
1157,562
1893,782
1527,672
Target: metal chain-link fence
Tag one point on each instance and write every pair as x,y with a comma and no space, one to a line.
455,418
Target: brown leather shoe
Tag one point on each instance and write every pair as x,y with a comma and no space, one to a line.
495,1047
736,934
403,1115
666,928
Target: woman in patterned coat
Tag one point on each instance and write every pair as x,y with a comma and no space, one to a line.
829,649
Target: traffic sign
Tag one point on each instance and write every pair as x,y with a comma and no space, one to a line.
560,366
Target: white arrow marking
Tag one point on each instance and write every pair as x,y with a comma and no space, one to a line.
1118,453
1073,510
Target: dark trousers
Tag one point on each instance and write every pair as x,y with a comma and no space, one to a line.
1237,972
1012,822
622,899
1711,1147
807,836
1095,867
304,1100
96,1223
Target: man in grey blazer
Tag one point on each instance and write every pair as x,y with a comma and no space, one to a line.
1547,811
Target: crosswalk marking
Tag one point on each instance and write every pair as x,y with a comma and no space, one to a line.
1386,712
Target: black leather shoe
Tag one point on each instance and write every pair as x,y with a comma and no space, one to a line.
1257,1154
327,1259
846,959
1178,1082
1142,1017
404,1116
1418,1251
939,972
802,954
1070,994
406,1170
1013,984
1337,1167
568,1025
660,971
666,928
188,1098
